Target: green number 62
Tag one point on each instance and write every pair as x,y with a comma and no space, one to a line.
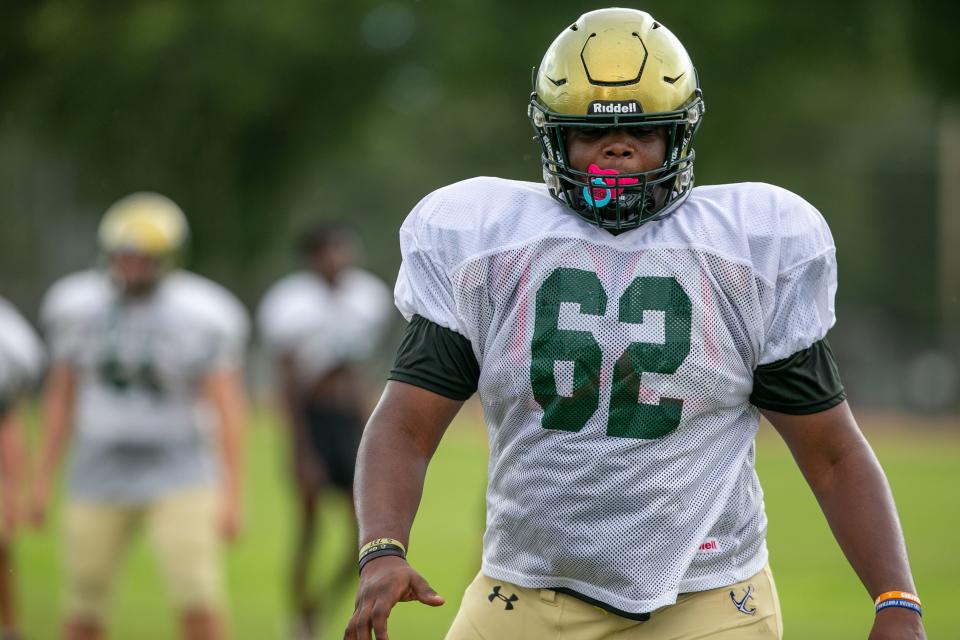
629,418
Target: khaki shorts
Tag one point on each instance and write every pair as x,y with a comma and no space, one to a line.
747,610
181,529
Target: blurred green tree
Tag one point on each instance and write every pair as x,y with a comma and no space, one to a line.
257,117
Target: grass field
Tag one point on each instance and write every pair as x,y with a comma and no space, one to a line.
820,595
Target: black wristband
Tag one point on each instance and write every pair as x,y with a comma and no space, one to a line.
373,548
379,553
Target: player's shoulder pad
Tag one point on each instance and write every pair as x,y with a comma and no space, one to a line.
475,215
779,228
372,299
74,297
291,296
366,283
290,287
208,302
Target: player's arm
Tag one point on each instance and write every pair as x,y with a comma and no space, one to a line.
58,403
804,400
853,493
12,456
434,373
223,389
289,396
398,442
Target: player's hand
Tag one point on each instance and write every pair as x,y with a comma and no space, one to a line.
231,518
383,583
895,623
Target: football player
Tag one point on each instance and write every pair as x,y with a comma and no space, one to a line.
625,333
145,386
21,358
321,325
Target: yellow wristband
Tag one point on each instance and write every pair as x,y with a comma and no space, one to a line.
382,543
897,595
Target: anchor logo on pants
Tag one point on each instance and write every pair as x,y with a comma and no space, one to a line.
741,604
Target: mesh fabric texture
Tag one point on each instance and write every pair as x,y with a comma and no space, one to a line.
629,521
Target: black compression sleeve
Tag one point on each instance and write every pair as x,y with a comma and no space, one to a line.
436,359
806,382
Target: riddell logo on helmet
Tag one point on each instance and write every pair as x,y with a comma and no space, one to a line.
603,107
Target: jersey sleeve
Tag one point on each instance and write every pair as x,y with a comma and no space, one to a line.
436,359
423,284
21,353
370,311
804,286
231,330
64,312
283,315
806,382
221,315
377,310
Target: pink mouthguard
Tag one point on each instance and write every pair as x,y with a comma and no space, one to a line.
599,194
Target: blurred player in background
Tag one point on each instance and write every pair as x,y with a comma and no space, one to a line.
21,358
624,331
321,325
145,386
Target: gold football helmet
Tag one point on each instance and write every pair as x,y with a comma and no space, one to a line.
145,223
617,68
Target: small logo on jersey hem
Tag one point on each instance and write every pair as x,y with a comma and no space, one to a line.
709,546
509,601
741,604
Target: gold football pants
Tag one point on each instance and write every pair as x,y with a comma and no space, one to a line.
497,610
183,532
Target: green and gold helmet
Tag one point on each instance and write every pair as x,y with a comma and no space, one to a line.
617,68
145,223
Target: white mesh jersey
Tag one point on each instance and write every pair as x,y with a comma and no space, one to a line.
321,325
615,373
140,362
140,419
21,353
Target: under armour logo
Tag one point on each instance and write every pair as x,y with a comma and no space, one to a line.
741,604
496,594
